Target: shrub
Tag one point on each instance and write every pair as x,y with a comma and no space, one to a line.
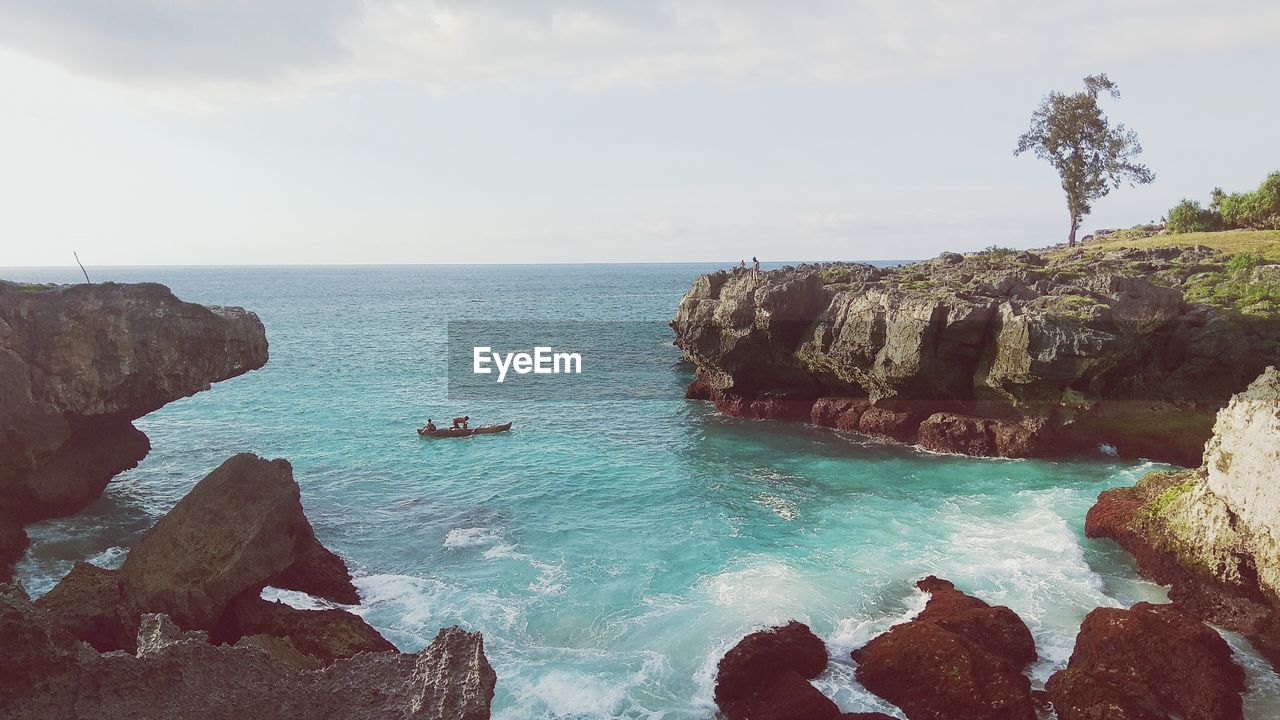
1187,216
1259,210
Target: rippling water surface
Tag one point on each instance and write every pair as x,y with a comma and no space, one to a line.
610,551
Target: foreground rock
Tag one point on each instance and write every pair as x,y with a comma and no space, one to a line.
78,364
766,676
45,672
960,658
205,563
1146,663
1213,534
1008,354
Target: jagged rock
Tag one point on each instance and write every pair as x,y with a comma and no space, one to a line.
79,363
1150,661
44,672
238,530
1211,533
282,648
1027,354
766,676
323,634
960,658
89,604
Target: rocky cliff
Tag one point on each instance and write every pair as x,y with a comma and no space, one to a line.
181,629
1213,533
995,353
78,364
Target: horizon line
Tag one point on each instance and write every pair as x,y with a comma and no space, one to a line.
454,264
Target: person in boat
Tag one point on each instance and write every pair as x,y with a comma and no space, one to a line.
431,427
461,422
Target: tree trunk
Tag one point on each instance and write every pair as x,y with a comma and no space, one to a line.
1071,239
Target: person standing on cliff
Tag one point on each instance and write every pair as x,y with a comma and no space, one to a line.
755,268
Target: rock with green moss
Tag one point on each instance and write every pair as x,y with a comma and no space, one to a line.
1085,347
1212,533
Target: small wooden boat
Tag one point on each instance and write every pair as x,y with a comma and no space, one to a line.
451,432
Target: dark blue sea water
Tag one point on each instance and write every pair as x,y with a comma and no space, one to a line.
610,549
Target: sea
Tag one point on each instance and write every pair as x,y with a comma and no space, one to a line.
611,546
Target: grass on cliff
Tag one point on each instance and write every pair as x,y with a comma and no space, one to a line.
1263,243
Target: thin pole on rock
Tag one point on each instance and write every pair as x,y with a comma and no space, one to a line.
86,272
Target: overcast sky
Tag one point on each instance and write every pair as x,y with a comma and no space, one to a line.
370,131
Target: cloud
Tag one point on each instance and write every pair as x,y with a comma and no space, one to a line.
290,46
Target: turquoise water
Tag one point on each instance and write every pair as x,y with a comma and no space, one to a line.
610,551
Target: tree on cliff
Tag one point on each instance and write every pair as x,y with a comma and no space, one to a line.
1091,157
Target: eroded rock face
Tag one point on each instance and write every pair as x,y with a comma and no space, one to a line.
1150,661
960,658
1211,533
205,563
240,527
79,363
1013,356
326,635
766,676
45,672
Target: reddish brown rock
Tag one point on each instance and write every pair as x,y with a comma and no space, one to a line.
894,424
786,657
980,437
787,697
1238,606
961,658
841,413
762,406
1153,659
323,634
997,629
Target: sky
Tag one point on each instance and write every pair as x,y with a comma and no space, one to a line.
140,132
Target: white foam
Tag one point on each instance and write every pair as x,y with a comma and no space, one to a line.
470,537
779,506
550,578
111,558
565,693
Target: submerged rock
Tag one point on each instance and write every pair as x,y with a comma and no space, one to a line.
238,530
766,676
46,673
1150,661
959,658
1212,533
986,354
78,364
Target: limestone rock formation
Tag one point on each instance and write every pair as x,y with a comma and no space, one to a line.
45,672
989,354
205,563
1213,534
78,364
959,658
1146,663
